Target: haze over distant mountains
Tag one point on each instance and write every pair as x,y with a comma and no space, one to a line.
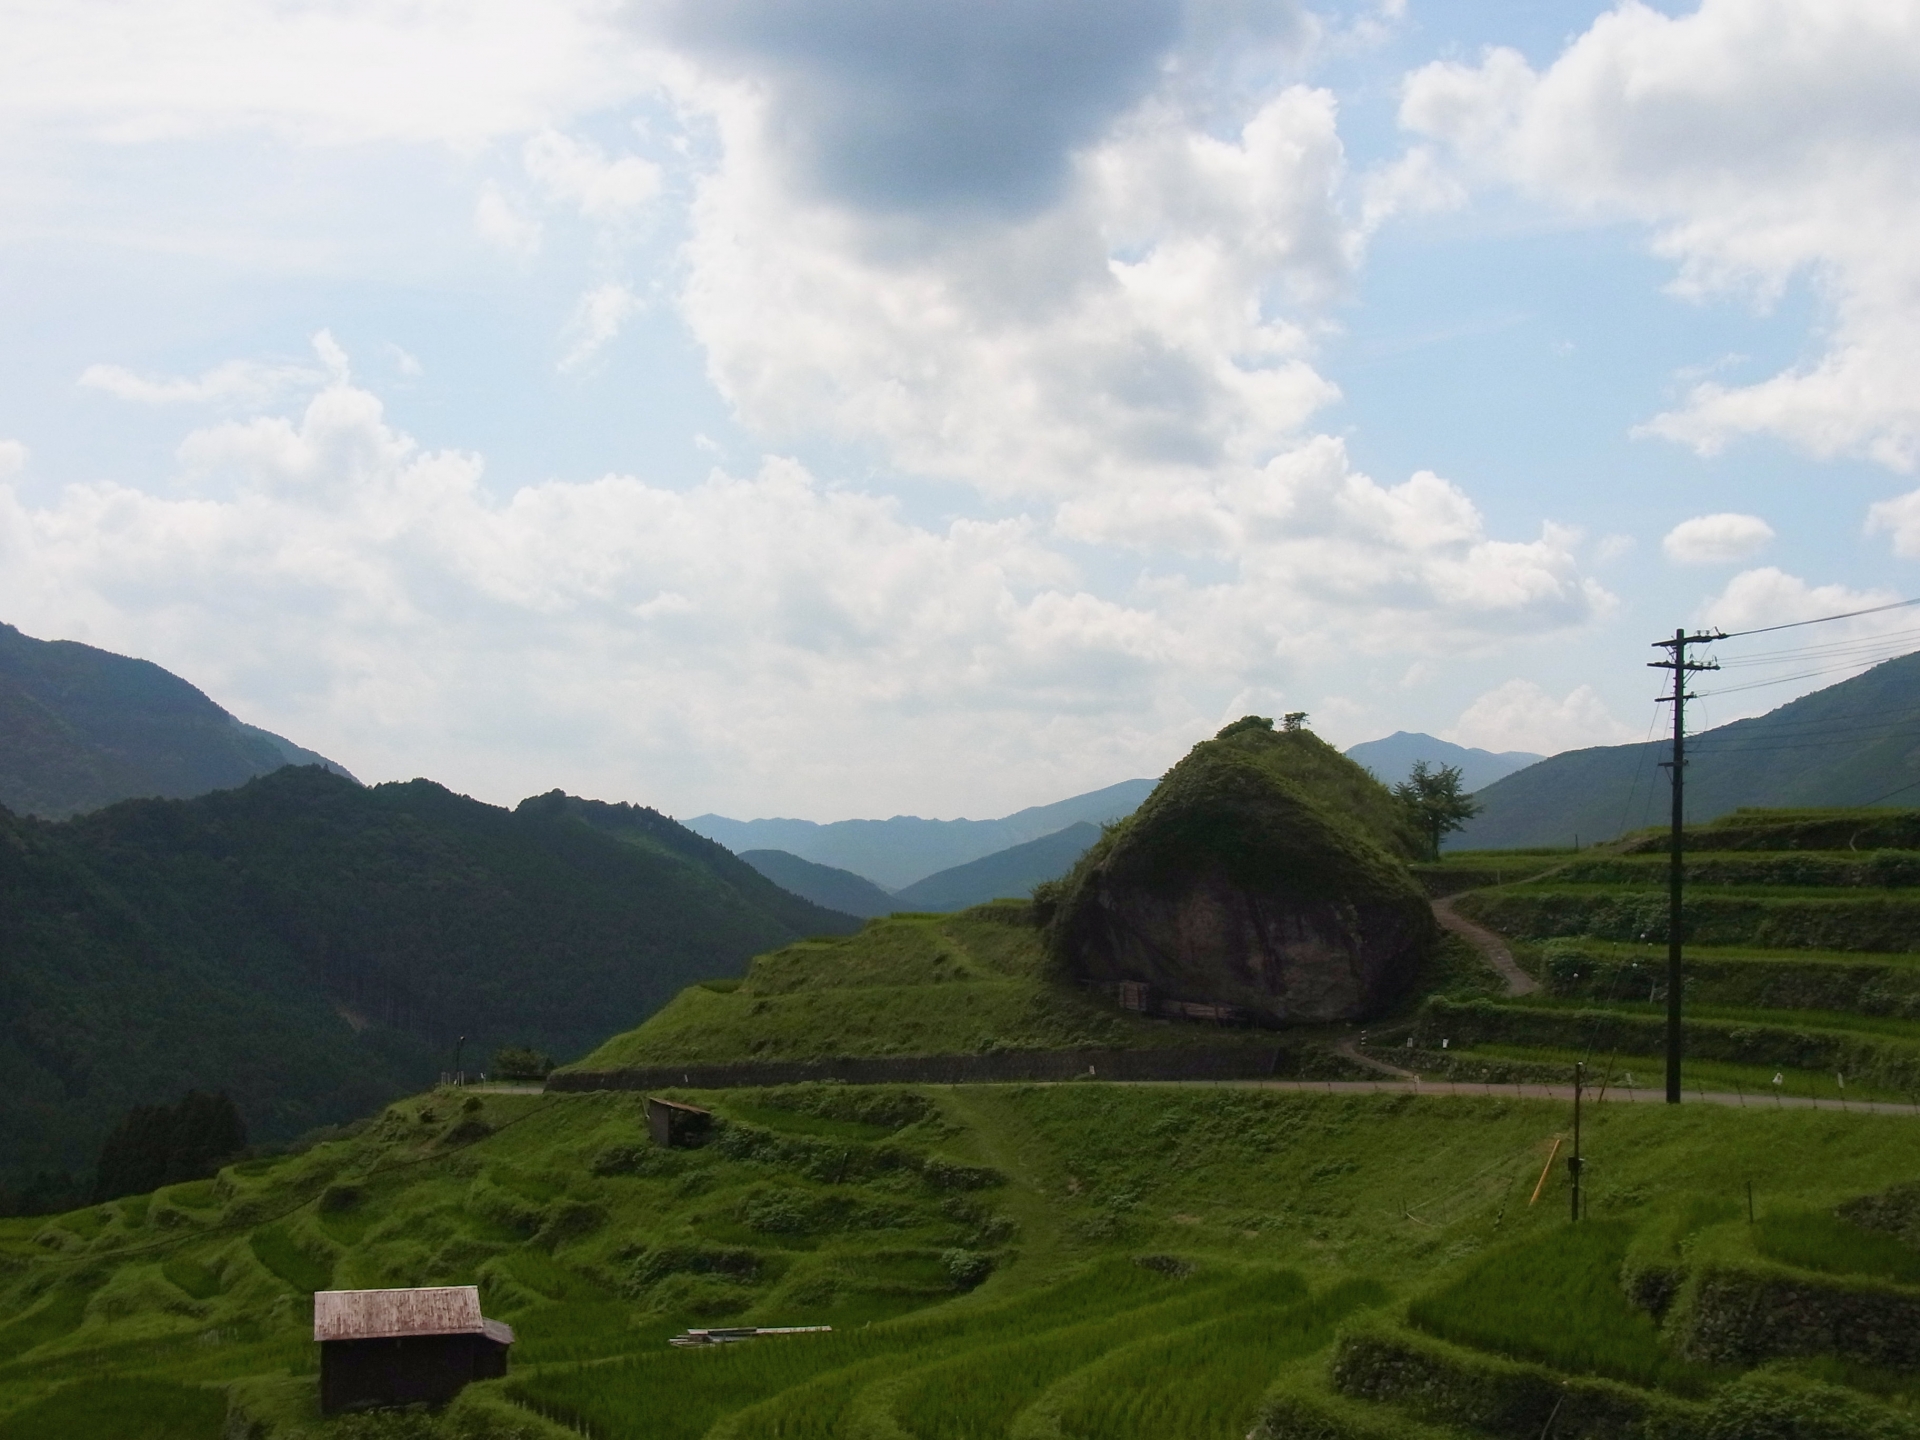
81,728
1855,743
894,853
1392,759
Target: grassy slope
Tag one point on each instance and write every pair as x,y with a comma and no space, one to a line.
1283,1212
905,985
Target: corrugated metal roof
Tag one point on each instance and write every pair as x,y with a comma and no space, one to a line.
385,1314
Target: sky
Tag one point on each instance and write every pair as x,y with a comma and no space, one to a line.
836,408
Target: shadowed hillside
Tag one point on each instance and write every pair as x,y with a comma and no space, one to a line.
81,728
314,947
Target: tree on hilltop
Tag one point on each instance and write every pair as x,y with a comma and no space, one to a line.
1434,802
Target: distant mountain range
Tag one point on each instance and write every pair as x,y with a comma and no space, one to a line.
81,728
894,853
315,947
826,885
1010,872
1391,760
1855,743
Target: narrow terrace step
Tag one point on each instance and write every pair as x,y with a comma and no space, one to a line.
1885,1061
1868,922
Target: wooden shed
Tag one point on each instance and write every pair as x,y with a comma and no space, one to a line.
675,1126
401,1347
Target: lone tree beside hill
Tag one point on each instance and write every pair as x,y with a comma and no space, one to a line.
1434,802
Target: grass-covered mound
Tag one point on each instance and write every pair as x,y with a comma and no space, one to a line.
963,984
1266,871
1093,1261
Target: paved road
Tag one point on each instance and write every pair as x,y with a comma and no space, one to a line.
1592,1095
1489,945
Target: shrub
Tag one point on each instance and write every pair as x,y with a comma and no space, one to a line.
967,1268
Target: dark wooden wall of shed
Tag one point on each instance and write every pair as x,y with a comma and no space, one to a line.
677,1127
365,1374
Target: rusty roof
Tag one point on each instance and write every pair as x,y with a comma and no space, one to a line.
676,1105
388,1314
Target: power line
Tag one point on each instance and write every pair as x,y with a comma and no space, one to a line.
1821,620
1786,679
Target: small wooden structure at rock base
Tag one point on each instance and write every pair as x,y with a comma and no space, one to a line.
1138,996
677,1126
402,1347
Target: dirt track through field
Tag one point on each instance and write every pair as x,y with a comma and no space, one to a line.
1490,945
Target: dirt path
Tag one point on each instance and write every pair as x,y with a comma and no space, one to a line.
1489,945
1349,1049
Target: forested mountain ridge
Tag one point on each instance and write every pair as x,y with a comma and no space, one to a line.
1855,743
314,947
81,728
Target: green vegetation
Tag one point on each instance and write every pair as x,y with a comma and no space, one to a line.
1801,960
1435,804
1269,810
1259,822
120,1409
905,985
1092,1261
311,947
160,1144
1819,1240
1558,1299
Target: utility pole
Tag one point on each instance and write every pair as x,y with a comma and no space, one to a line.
1573,1160
1677,767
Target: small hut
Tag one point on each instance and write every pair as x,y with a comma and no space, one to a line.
401,1347
675,1126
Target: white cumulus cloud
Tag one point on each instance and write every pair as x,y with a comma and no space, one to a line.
1717,539
1143,329
1520,715
1764,141
236,382
756,640
576,172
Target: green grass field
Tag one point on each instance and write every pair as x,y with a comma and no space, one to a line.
1158,1258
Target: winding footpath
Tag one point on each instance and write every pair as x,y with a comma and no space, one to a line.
1491,947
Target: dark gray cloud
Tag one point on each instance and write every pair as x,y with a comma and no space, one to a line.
936,105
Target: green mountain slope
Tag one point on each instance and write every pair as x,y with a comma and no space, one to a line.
1849,744
1012,872
81,728
826,885
314,947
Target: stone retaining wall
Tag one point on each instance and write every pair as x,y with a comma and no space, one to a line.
1242,1062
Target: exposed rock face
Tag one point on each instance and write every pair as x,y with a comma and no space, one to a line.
1266,872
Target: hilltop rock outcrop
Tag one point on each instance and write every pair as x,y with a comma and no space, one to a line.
1267,872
